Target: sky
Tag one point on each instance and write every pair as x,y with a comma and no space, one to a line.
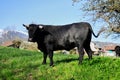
14,13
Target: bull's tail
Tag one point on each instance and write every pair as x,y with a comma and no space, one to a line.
101,30
96,35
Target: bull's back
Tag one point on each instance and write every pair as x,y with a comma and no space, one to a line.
69,32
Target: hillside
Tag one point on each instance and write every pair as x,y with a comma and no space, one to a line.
26,65
9,35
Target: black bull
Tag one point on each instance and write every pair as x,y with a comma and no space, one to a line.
50,38
117,50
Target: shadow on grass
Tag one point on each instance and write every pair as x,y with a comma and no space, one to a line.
93,61
67,60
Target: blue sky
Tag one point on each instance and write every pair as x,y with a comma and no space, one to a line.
13,13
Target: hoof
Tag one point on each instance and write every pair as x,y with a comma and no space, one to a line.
44,63
51,65
79,63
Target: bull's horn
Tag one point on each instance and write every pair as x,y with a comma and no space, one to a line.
26,25
40,26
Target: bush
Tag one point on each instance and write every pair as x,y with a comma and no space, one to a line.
28,46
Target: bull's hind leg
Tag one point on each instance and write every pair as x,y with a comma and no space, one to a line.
81,53
89,51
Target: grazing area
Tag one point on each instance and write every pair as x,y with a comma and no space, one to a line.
18,64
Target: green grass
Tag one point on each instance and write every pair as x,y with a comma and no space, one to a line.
18,64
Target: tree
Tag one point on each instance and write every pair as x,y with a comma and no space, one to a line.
107,10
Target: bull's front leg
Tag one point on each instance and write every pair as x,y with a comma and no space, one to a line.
44,58
51,58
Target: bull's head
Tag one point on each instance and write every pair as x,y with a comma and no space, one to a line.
32,31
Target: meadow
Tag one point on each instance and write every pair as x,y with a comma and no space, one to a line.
18,64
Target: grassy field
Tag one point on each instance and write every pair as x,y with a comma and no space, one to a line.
18,64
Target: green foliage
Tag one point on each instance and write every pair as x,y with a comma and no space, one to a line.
18,64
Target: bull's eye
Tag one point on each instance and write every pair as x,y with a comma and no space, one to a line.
32,31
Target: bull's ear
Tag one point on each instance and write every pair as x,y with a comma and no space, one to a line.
26,26
40,27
